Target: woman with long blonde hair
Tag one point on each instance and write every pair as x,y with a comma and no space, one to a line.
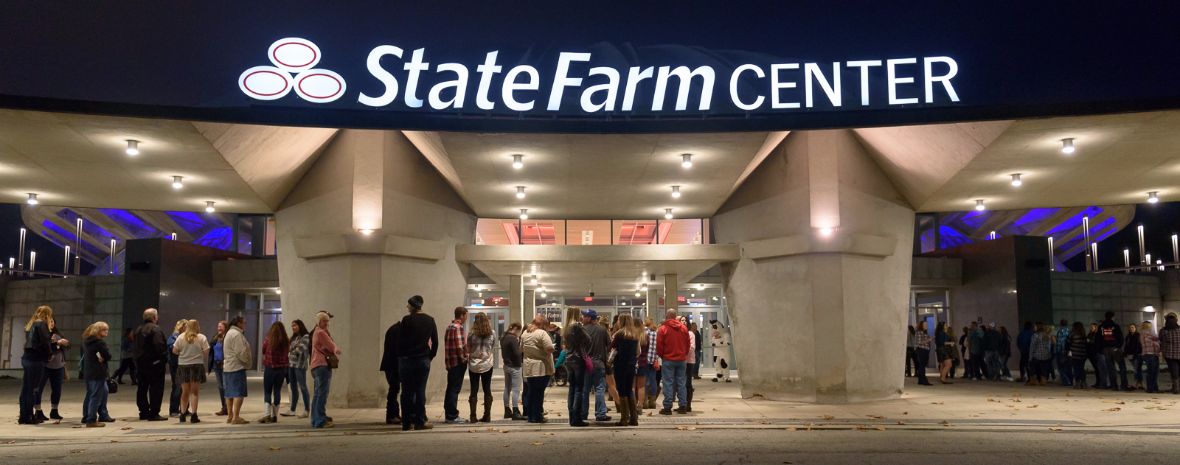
481,346
95,371
191,350
38,342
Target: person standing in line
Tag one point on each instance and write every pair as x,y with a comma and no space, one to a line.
38,345
174,394
1079,351
1023,341
608,380
151,361
977,351
95,358
1040,352
298,357
672,345
217,363
237,360
1133,347
1169,339
512,354
991,352
455,358
126,362
943,348
909,351
389,356
275,366
1151,356
578,367
417,346
536,347
965,353
323,348
1005,353
922,344
599,345
625,344
1111,337
191,349
690,362
1097,358
698,351
480,346
645,385
55,374
1064,361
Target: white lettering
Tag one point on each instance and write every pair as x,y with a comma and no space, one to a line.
415,67
459,84
864,77
611,87
775,85
511,85
486,71
561,80
685,76
811,72
390,82
634,75
945,79
893,80
733,88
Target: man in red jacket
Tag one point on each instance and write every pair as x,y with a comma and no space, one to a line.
672,345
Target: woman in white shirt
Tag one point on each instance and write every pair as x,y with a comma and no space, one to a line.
481,345
191,349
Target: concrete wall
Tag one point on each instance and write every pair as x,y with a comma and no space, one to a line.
77,302
1087,297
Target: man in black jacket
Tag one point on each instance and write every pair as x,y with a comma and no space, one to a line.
417,344
150,350
389,365
1110,339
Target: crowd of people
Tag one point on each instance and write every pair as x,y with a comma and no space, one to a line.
1119,361
629,361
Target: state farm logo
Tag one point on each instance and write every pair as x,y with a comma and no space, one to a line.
294,62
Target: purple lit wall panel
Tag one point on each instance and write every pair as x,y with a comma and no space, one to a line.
132,223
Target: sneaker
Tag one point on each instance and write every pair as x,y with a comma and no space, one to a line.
602,418
682,411
106,420
304,414
454,421
287,413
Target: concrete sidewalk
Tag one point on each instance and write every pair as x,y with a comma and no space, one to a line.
978,405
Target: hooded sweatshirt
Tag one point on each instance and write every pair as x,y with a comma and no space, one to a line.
672,342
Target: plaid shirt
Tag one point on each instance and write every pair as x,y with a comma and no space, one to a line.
1041,347
274,358
649,356
922,340
300,351
455,344
1062,340
1170,342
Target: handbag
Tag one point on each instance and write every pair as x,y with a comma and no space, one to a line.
112,386
333,360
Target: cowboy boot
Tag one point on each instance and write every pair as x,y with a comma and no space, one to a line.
624,412
473,403
487,410
634,412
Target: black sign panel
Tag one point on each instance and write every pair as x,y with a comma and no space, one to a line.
562,66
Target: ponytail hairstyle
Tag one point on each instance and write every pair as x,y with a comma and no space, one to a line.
192,329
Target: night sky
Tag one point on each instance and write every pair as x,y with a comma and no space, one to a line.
1159,222
49,255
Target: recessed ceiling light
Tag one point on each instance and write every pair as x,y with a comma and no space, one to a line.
979,205
637,294
365,231
32,199
1016,182
667,213
209,207
178,182
1067,146
520,192
827,231
524,213
132,147
676,192
686,160
518,161
1153,197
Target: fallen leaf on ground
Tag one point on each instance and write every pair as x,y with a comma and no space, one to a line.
126,428
875,417
1054,429
900,422
538,443
1112,409
829,417
275,448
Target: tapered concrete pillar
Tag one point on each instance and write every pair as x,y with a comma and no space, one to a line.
670,292
818,300
516,299
529,305
654,312
371,224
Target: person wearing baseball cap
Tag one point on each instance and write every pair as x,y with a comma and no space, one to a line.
417,344
599,347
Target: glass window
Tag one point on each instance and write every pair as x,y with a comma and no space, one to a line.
588,232
635,232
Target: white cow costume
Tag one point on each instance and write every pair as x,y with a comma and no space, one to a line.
720,342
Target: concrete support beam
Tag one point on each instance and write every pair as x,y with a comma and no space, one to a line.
516,299
530,305
670,290
825,241
653,303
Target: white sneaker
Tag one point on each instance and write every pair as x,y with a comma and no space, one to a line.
287,413
302,415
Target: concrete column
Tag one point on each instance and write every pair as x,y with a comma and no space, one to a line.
670,292
819,298
653,304
516,299
530,306
376,181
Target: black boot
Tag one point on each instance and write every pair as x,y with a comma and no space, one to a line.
39,416
54,415
508,415
473,404
487,410
516,415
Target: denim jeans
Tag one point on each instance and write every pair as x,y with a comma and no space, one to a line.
1099,362
651,382
1153,372
454,386
392,410
413,373
272,385
992,366
53,377
174,394
34,370
674,383
94,408
1116,367
512,387
1137,368
322,377
298,379
1065,366
578,400
221,386
598,383
1079,371
534,409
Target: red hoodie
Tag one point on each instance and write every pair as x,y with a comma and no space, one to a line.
672,341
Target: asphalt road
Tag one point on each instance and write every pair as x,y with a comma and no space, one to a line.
603,446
